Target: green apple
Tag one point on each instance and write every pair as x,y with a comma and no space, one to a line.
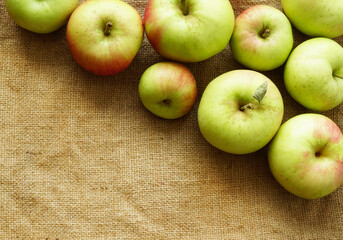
188,30
306,156
240,111
262,38
168,90
43,16
316,18
104,36
313,74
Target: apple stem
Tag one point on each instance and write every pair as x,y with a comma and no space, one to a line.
184,7
265,33
247,106
108,27
258,95
341,77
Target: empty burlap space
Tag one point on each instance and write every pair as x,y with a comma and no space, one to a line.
81,158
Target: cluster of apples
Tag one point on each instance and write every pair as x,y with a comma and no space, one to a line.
240,111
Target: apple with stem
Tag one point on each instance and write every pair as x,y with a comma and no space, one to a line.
240,111
104,36
168,90
262,38
306,156
315,18
40,16
313,74
188,30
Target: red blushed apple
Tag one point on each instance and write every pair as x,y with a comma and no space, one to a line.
306,156
168,90
188,30
104,36
262,38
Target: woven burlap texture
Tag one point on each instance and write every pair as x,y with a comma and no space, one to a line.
81,158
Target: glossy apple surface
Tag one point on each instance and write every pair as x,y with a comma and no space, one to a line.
227,125
168,90
313,74
104,36
262,38
316,18
188,30
44,16
306,156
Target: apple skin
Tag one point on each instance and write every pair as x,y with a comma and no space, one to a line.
306,156
40,16
256,48
168,90
316,18
97,52
313,74
230,129
202,33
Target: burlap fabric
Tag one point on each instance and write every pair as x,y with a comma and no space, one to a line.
81,158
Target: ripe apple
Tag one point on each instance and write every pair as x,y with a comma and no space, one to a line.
40,16
189,30
240,111
316,18
104,36
306,156
168,90
313,74
262,38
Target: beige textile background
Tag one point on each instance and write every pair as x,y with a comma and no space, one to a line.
81,158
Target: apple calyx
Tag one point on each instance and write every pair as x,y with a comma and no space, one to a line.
265,33
166,101
108,28
317,154
184,7
320,151
258,95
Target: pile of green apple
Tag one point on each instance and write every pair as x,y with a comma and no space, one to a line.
240,111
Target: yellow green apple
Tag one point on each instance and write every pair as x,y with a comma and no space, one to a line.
240,111
188,30
43,16
313,74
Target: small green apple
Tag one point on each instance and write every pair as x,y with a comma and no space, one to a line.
313,74
104,36
306,156
240,111
316,18
168,90
262,38
43,16
189,30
